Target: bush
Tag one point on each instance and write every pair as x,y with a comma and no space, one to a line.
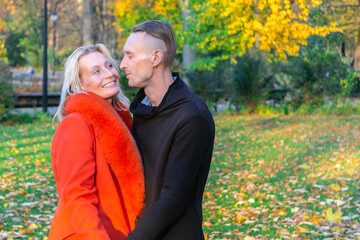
211,85
7,95
343,107
19,118
316,73
251,80
351,84
14,50
264,109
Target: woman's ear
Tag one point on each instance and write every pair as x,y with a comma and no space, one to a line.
158,56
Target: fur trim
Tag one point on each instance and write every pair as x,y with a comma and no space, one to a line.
119,147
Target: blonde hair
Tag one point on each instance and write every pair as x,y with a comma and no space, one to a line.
72,83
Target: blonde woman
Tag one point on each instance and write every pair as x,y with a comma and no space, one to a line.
96,164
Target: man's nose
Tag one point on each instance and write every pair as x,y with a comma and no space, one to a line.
123,64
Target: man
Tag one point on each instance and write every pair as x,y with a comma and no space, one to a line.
174,131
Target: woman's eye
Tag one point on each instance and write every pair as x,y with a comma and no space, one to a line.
96,72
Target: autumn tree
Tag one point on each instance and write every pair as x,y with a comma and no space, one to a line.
6,9
2,40
230,27
23,28
188,56
87,25
85,22
346,13
104,26
132,12
21,24
24,20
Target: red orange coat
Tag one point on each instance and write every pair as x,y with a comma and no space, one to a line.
97,170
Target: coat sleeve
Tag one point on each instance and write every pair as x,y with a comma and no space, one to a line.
192,140
75,170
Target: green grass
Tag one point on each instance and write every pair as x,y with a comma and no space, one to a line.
272,177
27,189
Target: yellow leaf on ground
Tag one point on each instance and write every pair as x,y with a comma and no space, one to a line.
333,217
336,187
33,226
26,231
316,219
37,162
249,238
282,212
240,218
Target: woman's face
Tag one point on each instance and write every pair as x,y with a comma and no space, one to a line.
98,75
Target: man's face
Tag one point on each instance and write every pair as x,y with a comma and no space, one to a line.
137,61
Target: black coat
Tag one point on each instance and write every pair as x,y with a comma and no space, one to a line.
176,141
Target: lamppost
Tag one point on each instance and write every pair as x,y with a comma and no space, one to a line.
44,93
53,17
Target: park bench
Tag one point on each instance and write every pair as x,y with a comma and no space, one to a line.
34,99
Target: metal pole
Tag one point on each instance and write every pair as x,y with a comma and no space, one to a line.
44,94
54,41
53,17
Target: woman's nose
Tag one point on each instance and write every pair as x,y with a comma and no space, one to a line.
108,73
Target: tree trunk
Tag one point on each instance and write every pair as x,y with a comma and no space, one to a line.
188,55
87,24
343,53
357,52
105,22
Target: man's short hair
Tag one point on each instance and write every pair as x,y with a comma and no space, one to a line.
163,31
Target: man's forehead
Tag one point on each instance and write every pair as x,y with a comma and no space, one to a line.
136,36
135,41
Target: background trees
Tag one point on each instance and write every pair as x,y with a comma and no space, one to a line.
233,27
302,48
347,14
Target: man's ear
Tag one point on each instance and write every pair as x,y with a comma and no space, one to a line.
158,56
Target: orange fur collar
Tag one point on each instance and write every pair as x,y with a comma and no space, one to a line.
119,147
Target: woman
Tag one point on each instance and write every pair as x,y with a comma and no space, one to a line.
97,167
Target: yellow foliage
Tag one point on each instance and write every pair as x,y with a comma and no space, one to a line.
271,25
132,12
2,40
231,26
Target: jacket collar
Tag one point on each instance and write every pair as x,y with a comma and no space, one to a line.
144,111
119,147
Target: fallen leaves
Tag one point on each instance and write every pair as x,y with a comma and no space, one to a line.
290,178
278,181
27,191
